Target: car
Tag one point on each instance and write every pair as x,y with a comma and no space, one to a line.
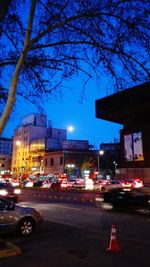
23,220
9,192
27,183
70,183
63,184
105,185
42,184
122,198
79,184
132,183
55,185
110,184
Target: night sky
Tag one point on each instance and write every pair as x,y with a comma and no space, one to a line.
69,110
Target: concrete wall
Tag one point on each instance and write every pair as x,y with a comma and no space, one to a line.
126,173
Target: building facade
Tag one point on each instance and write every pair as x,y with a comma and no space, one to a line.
41,149
71,162
5,155
30,141
130,108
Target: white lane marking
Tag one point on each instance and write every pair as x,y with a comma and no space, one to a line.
65,207
49,204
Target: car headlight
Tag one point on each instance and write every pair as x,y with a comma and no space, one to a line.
3,192
17,191
99,199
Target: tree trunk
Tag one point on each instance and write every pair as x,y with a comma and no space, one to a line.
14,82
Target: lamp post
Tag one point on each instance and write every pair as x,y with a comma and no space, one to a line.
100,153
115,165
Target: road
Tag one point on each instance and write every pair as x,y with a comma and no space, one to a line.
78,235
84,216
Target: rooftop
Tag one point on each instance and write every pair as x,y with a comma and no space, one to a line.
130,104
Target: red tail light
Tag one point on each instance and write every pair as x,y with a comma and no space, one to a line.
126,184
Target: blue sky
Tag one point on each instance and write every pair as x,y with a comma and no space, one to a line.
69,111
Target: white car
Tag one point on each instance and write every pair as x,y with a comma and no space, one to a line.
106,185
132,183
79,184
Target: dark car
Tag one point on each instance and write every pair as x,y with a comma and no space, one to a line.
120,198
9,192
56,185
38,183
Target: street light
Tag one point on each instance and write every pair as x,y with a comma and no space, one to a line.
18,143
100,153
115,164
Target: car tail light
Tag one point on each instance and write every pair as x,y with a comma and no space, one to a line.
63,185
126,184
105,182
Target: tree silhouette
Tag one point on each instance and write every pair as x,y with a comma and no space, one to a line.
46,43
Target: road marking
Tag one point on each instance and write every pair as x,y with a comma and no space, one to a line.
65,207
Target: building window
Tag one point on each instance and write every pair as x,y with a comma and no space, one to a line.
52,162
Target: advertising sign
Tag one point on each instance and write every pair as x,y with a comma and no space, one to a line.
133,147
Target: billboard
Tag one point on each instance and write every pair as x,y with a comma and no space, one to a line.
133,147
128,147
137,146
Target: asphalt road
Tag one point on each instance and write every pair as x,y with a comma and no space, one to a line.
78,236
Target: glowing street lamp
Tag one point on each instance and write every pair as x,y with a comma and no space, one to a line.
100,153
18,143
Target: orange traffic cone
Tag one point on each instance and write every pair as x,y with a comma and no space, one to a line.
113,246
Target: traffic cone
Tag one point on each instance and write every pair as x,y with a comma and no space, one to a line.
113,246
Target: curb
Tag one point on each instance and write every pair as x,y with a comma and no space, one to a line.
9,250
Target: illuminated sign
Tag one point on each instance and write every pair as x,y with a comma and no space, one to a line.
133,147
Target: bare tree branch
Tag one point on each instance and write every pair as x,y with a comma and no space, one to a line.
63,39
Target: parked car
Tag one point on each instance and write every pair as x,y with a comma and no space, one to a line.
23,220
9,192
121,198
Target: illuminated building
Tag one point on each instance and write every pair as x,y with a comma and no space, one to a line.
30,141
